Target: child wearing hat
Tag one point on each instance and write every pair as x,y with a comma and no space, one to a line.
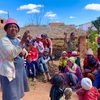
62,62
76,55
87,92
38,44
73,74
43,64
91,65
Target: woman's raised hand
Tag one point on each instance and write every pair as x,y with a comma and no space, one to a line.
25,36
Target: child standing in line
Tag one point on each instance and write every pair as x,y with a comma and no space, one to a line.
43,64
62,62
87,92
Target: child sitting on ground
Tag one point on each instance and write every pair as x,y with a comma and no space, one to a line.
76,55
43,64
90,65
87,92
30,68
62,62
67,94
73,74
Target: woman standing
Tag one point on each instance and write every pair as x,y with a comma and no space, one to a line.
12,71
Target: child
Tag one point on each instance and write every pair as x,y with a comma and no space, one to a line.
62,62
73,74
43,64
30,68
67,94
56,91
87,92
91,65
76,55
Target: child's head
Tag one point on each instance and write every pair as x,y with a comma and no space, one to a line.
57,80
64,54
86,83
74,53
68,93
46,51
89,53
38,38
71,61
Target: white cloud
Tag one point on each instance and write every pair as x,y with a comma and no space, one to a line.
50,14
93,7
33,8
71,17
33,11
3,12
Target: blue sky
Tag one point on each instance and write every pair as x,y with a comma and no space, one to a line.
68,11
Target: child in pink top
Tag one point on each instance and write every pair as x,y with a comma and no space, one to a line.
87,92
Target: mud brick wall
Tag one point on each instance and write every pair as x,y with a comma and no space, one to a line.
82,45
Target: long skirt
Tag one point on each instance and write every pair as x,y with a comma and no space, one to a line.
15,89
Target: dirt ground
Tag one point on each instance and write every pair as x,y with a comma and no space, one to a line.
40,90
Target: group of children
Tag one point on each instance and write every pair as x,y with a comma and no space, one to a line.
37,54
71,77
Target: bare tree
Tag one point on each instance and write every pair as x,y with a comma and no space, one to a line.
38,19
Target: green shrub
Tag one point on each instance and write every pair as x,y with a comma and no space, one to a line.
92,41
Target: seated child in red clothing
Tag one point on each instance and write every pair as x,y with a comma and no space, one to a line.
87,92
90,65
30,68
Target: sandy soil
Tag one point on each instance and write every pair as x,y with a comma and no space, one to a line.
39,91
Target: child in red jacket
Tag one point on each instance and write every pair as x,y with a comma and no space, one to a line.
87,92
